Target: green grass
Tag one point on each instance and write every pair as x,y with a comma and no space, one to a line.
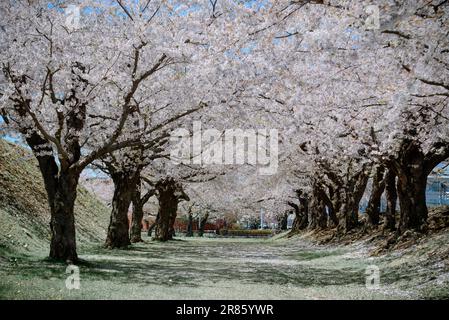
215,269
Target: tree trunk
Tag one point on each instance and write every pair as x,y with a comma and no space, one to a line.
162,227
412,201
171,223
125,184
412,169
303,221
358,191
153,226
61,188
332,216
190,225
317,216
139,202
335,204
317,212
136,224
391,196
203,221
373,208
411,187
350,196
169,194
355,197
297,220
62,225
168,205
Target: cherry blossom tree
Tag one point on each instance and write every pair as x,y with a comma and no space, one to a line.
353,97
356,90
59,83
69,89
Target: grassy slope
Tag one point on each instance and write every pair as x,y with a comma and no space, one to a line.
24,212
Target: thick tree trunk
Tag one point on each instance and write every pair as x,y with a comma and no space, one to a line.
61,180
332,216
168,205
356,196
411,187
317,216
190,225
336,204
378,186
163,225
412,169
203,222
61,190
62,224
136,223
301,220
169,194
391,196
317,212
412,201
125,184
350,196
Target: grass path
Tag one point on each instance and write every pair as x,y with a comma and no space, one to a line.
215,269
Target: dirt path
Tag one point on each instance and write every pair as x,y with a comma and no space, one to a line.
218,269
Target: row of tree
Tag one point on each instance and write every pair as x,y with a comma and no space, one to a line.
351,99
105,91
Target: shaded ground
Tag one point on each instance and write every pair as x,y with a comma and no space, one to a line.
225,269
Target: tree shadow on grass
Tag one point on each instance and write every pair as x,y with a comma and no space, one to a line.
192,274
191,264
